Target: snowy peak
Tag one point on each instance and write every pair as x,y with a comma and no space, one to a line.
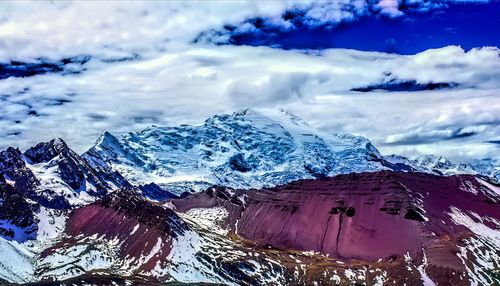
56,176
109,142
433,162
245,112
440,165
245,149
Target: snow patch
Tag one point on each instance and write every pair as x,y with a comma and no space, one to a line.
490,186
425,278
210,219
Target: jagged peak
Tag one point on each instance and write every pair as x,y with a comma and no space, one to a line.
268,116
240,115
59,143
432,159
11,151
46,151
255,117
243,113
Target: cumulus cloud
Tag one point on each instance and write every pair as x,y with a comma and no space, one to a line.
389,7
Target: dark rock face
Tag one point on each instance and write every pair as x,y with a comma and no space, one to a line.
153,192
46,151
13,166
237,163
17,221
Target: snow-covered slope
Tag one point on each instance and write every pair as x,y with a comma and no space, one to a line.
246,149
26,229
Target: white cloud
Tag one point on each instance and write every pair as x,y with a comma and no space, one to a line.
389,7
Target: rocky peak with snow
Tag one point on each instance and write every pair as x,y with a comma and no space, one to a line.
56,176
17,220
441,165
246,149
46,151
433,162
14,169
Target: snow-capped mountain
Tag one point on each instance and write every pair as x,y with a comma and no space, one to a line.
38,188
55,176
440,165
246,149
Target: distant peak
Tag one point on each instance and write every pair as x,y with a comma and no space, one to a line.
432,157
109,142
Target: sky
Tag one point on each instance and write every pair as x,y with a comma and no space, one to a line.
415,77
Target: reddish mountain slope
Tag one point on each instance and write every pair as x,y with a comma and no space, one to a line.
367,217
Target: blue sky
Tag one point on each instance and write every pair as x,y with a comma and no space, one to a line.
468,25
415,77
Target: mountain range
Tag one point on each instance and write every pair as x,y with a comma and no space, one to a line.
247,198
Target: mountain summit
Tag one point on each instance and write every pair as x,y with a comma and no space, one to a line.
245,149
